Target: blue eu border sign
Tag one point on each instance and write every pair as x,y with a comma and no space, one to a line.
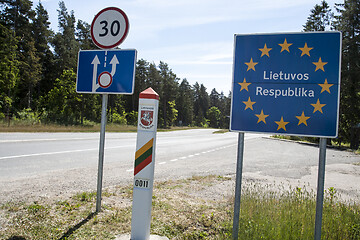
287,83
106,71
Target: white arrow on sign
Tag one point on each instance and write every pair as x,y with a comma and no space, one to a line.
114,61
95,62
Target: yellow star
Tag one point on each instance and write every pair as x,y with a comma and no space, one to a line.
320,65
318,106
305,50
285,46
302,119
325,86
281,124
261,117
244,85
249,104
251,65
265,51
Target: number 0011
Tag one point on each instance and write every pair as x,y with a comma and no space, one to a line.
141,183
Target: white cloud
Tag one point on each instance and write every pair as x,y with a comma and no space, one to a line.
216,56
159,15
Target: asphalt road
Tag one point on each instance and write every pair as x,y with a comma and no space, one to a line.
34,165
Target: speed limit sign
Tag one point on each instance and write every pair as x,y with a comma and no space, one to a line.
109,28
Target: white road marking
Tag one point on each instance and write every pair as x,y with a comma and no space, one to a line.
192,155
49,153
60,152
199,153
55,139
45,140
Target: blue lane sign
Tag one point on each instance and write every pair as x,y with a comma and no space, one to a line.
102,71
287,83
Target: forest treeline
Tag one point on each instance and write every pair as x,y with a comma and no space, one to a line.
38,73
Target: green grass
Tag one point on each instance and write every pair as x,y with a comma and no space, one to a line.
184,209
291,215
62,128
314,140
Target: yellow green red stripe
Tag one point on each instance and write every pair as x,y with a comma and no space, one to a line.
144,148
143,156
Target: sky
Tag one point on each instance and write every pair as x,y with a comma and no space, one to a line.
194,37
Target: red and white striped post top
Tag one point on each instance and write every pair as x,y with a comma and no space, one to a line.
149,94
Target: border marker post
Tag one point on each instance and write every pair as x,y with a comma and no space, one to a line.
144,164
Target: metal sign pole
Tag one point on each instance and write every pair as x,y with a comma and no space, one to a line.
239,167
320,189
101,151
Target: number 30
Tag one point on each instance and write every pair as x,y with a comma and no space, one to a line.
114,28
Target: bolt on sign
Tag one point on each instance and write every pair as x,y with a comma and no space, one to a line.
287,83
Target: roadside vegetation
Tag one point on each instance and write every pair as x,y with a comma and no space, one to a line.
200,207
110,127
312,140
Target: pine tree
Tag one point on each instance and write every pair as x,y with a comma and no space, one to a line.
18,16
201,104
214,98
185,103
83,36
225,108
42,37
9,71
154,78
169,83
65,45
319,19
141,83
348,22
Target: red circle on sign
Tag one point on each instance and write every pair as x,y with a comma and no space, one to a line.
105,79
109,28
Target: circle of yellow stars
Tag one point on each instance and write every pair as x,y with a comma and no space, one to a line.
285,47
